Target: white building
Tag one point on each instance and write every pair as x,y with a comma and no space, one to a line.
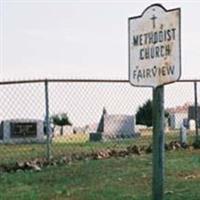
177,119
178,116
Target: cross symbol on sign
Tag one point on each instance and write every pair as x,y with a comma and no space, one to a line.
154,20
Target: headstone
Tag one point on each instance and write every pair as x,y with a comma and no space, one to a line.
192,125
166,125
118,126
22,131
176,119
183,134
185,122
1,131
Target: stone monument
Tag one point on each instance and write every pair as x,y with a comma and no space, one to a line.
22,131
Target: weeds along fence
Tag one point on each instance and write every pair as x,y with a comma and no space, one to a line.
53,118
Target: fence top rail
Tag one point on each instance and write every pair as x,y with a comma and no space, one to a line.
80,81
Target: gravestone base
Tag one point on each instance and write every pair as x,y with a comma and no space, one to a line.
23,141
95,137
119,136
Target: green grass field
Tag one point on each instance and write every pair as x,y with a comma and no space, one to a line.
126,178
115,178
11,153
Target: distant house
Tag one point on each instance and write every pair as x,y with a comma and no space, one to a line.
116,126
178,116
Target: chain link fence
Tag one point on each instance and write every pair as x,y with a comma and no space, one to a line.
55,118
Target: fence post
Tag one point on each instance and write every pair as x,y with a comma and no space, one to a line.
158,143
196,111
47,121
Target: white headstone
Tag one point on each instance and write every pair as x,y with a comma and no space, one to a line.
183,134
166,125
118,126
192,125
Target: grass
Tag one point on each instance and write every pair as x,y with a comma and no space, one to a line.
77,143
126,178
72,138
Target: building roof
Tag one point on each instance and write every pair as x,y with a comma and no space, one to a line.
179,109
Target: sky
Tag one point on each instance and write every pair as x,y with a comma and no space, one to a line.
82,39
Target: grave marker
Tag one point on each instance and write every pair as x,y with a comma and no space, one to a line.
22,131
183,134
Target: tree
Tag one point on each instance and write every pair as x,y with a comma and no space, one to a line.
145,113
61,120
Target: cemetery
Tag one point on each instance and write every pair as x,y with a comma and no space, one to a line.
128,152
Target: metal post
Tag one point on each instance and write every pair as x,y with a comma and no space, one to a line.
47,122
196,110
158,143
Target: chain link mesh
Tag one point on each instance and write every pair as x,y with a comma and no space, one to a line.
85,116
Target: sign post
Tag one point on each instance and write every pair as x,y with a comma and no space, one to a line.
155,60
158,143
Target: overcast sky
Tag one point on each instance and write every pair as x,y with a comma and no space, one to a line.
82,39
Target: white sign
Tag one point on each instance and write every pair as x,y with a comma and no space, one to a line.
154,47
